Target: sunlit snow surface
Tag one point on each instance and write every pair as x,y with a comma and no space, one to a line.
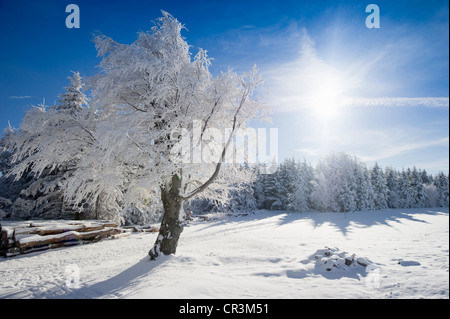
263,255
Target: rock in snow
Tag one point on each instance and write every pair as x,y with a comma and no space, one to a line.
331,259
362,261
407,263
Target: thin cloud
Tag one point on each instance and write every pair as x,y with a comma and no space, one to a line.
20,97
395,148
428,102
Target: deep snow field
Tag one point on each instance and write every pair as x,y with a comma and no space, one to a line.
263,255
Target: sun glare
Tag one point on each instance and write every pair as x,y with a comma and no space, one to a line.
326,98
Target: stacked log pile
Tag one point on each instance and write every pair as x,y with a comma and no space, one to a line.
25,237
142,229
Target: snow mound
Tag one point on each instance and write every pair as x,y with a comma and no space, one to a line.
333,263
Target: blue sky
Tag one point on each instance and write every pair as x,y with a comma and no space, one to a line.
333,84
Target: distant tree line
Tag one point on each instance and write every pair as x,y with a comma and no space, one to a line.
338,183
341,183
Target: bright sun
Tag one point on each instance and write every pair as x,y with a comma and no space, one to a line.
326,97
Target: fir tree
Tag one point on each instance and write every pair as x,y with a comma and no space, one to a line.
45,151
271,192
406,192
392,183
441,182
381,191
258,188
419,196
300,198
365,193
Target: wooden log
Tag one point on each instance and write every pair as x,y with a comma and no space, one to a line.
10,252
28,237
105,223
33,249
92,228
205,218
25,231
145,229
86,226
12,241
28,250
132,228
103,232
3,244
106,234
121,235
108,223
77,228
36,240
8,232
152,229
66,244
51,228
3,238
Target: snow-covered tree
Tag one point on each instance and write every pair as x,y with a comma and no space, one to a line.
336,186
288,174
406,192
365,192
348,195
319,197
272,187
419,194
73,100
442,186
392,183
431,195
258,187
301,197
425,178
160,111
9,188
46,149
380,189
299,200
242,197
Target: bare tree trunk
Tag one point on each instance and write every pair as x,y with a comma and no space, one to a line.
172,221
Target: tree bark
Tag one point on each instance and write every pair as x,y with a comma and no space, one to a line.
172,221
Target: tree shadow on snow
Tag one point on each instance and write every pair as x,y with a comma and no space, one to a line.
343,221
112,287
363,219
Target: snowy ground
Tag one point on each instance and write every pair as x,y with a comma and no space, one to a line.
264,255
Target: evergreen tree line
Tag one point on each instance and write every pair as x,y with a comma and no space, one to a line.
340,183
